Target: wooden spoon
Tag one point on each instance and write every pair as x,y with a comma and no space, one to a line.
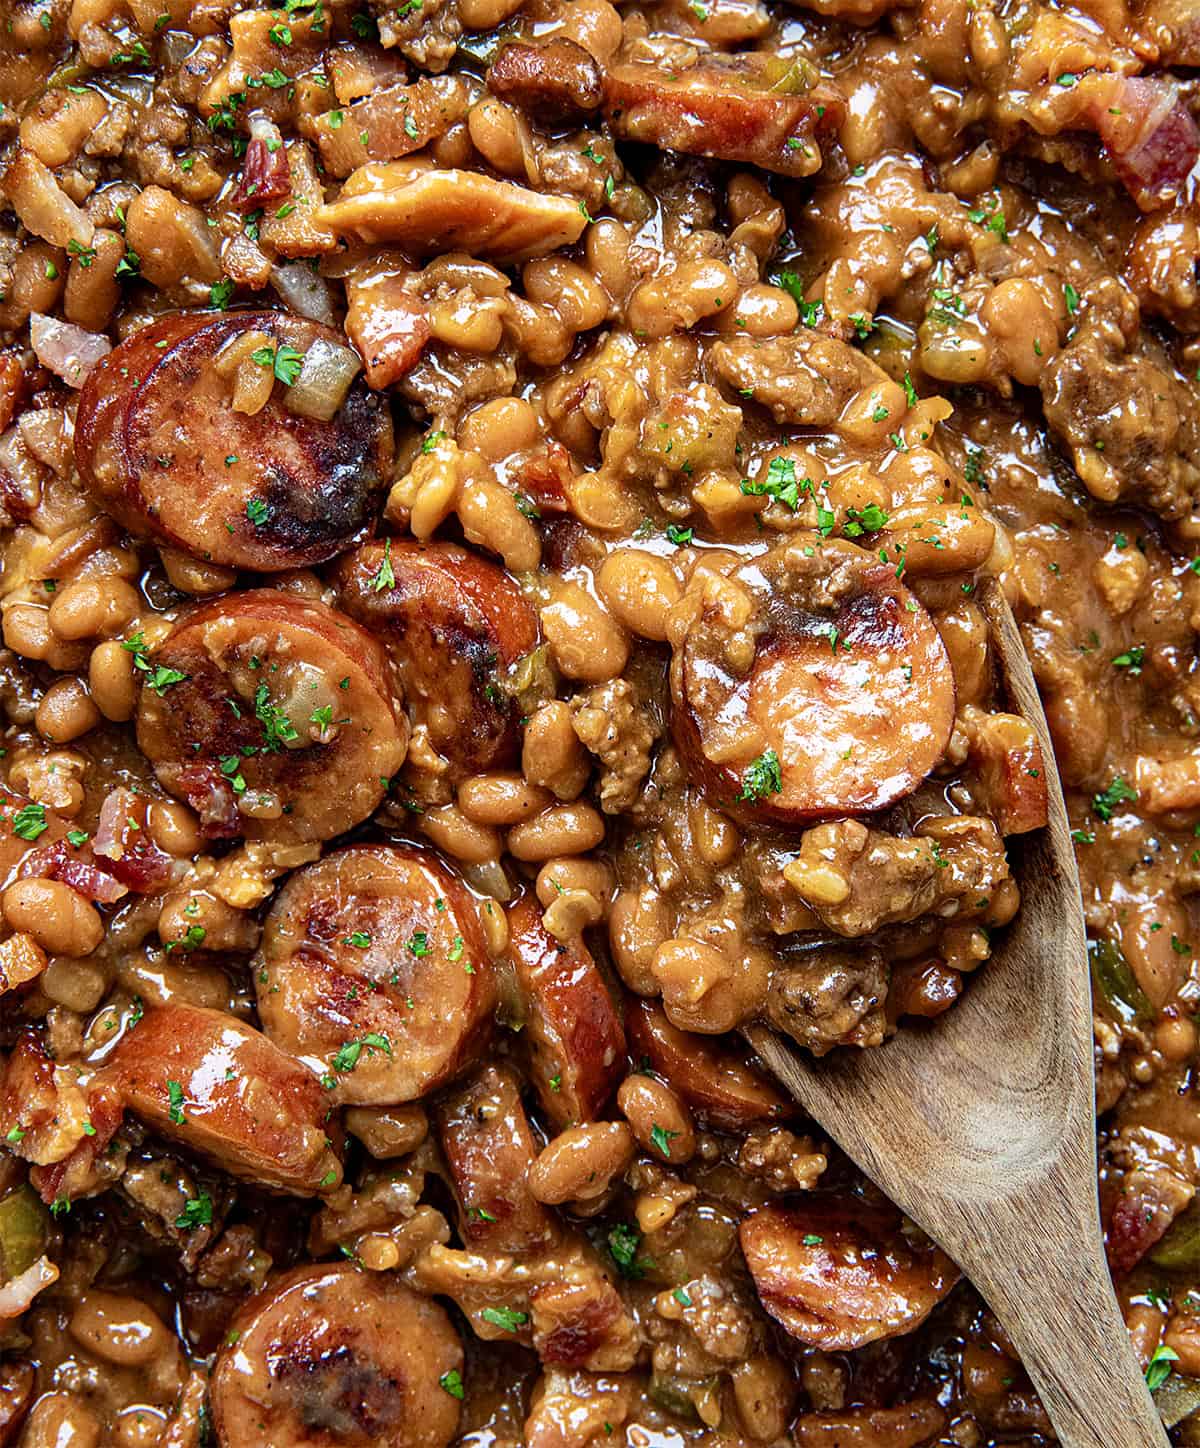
982,1128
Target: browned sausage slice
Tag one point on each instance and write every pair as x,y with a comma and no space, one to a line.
770,112
572,1035
218,1087
161,447
373,967
714,1080
455,623
810,682
838,1274
489,1148
273,716
329,1355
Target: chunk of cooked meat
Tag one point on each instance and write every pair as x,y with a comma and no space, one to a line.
830,997
1129,426
556,80
806,378
439,211
764,110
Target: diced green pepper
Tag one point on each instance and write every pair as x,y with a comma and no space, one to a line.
1117,984
23,1228
1179,1247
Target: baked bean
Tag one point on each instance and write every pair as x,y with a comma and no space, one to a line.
580,1163
93,291
714,834
679,299
120,1329
574,294
760,311
606,246
37,280
27,632
60,920
80,985
111,681
501,799
1021,324
66,712
450,830
587,643
60,1420
501,135
703,988
551,754
572,912
563,829
225,927
637,926
499,428
763,1393
194,575
640,590
574,873
140,1426
174,828
490,518
660,1120
94,608
388,1131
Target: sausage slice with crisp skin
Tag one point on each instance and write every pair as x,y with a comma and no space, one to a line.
330,1354
218,1087
454,623
809,682
374,968
161,447
838,1273
572,1036
273,716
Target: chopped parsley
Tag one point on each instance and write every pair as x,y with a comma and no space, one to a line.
661,1139
283,360
197,1212
1158,1369
346,1056
385,577
450,1382
30,821
763,776
1118,792
623,1244
505,1317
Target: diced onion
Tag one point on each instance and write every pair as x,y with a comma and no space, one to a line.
304,291
324,380
68,351
17,1294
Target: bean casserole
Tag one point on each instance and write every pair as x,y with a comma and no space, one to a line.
495,497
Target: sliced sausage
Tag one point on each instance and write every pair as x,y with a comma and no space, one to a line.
838,1274
273,716
572,1036
218,1087
374,968
909,1426
455,624
809,682
489,1148
331,1354
715,1081
744,107
160,446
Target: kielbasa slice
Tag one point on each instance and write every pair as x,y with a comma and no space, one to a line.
161,448
273,716
455,624
837,1273
331,1354
722,1088
216,1086
374,969
809,682
572,1033
489,1147
767,111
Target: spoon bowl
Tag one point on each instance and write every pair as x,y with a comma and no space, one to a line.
982,1127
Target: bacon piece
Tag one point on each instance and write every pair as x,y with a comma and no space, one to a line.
58,862
266,179
1152,138
387,325
123,839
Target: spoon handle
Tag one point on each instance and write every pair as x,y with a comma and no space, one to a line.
1039,1267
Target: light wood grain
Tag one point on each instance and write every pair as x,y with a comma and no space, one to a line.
982,1127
